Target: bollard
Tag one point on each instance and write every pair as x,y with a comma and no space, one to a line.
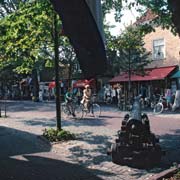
5,108
0,109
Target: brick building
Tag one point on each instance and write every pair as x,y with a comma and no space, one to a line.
165,54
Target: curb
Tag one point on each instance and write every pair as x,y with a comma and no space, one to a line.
166,173
42,138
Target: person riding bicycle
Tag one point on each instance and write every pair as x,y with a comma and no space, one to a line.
69,102
86,100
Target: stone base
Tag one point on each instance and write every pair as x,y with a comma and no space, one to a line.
144,158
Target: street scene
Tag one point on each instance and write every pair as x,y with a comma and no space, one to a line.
21,144
89,90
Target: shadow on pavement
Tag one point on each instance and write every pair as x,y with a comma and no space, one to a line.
20,106
65,123
40,122
42,168
91,152
16,142
171,144
92,149
85,122
18,160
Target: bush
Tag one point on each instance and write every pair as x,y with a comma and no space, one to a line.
54,135
177,175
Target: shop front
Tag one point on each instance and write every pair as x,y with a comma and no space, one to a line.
156,80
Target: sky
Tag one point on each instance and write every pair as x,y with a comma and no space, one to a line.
129,16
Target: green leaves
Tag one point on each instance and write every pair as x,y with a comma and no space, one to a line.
129,52
25,33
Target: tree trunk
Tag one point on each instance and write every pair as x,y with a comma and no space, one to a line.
56,52
69,74
35,85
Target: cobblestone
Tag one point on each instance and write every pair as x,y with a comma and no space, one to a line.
94,137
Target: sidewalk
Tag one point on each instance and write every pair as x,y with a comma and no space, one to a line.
85,155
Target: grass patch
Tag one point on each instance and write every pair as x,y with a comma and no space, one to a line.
54,135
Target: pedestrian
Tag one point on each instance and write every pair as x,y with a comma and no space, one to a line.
119,95
107,92
168,96
114,95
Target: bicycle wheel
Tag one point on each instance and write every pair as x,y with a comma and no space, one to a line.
64,111
108,100
96,110
158,108
79,111
120,106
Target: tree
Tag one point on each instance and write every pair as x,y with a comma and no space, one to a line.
30,39
27,38
68,58
131,56
168,11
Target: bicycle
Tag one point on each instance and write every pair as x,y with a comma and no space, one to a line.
108,100
66,110
94,109
161,105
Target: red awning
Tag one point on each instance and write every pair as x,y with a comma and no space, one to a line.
82,83
52,84
150,75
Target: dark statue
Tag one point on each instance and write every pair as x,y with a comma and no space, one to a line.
136,145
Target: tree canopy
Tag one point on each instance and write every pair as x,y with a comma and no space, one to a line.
26,28
26,36
168,11
129,52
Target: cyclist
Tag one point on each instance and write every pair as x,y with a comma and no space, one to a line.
86,97
69,102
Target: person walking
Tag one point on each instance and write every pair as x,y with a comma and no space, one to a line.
114,95
168,96
119,96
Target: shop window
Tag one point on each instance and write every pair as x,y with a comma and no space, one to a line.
158,49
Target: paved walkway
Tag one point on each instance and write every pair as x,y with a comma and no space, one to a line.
84,158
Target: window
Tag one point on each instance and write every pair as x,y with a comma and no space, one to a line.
158,49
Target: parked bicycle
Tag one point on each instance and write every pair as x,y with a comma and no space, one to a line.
161,105
108,99
145,102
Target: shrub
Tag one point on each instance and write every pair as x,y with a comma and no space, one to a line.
55,135
177,175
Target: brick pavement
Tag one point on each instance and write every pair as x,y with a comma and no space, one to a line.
95,135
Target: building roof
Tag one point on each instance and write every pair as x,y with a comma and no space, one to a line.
147,17
150,75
